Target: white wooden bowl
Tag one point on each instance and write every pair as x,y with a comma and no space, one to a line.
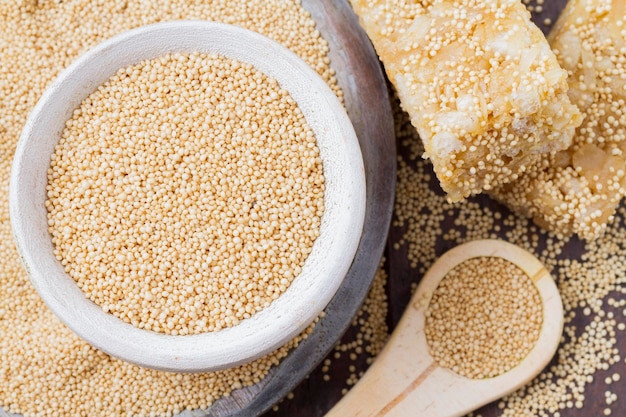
325,267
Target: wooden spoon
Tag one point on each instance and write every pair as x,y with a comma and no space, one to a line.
406,381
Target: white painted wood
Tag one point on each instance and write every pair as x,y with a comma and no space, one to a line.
324,269
405,380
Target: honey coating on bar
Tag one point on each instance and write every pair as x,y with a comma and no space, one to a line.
579,189
479,82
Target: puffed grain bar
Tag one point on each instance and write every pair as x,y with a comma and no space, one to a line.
579,189
479,83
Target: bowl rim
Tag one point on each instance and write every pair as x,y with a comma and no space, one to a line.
268,329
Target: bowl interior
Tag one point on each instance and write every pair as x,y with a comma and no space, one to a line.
325,267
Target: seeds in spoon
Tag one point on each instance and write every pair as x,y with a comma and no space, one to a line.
484,317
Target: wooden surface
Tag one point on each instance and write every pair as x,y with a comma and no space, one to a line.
315,396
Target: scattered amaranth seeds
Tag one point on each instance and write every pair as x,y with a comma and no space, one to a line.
45,370
369,332
185,193
484,317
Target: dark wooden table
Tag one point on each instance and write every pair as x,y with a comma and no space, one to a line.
314,396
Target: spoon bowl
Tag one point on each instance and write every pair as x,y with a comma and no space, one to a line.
406,380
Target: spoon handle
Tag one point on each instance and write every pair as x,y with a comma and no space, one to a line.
404,380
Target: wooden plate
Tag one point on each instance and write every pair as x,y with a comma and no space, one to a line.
366,98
